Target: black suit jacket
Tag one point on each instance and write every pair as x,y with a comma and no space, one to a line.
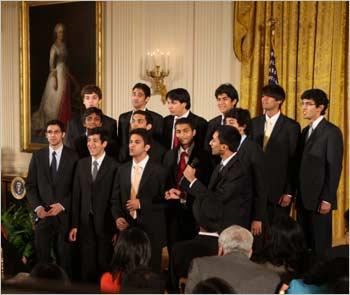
95,195
252,157
321,165
212,126
124,125
233,187
75,128
42,190
150,217
156,153
280,155
199,123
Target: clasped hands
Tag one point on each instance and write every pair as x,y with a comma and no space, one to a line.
175,194
55,209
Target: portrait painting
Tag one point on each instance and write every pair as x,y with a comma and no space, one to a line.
61,52
18,189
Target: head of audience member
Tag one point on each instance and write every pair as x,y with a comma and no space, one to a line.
239,119
225,141
179,101
97,140
208,213
226,97
142,280
185,132
91,95
141,119
133,249
55,132
235,239
213,286
140,142
272,98
314,104
49,271
141,94
92,118
284,244
338,276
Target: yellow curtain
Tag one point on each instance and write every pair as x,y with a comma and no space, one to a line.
311,49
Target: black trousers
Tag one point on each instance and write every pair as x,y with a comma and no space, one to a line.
275,210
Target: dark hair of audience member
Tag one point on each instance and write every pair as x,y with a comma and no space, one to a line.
318,96
90,111
145,134
142,280
133,249
275,91
144,87
227,89
99,131
147,115
181,95
213,286
90,89
284,245
230,136
187,121
338,276
59,123
242,116
49,271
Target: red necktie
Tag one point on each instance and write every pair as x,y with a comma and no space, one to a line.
175,139
182,166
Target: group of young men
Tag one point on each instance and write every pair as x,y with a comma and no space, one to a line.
95,180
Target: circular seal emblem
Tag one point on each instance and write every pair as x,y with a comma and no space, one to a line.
18,188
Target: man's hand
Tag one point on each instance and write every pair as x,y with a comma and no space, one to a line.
55,209
189,173
121,223
285,200
133,204
324,207
256,227
172,194
41,213
73,234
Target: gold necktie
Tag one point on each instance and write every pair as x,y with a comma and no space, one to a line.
267,133
135,182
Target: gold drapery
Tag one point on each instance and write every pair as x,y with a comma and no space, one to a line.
311,50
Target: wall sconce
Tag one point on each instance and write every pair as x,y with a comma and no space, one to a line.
157,68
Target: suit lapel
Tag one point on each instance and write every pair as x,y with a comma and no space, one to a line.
309,142
145,174
103,169
126,179
46,161
63,162
260,130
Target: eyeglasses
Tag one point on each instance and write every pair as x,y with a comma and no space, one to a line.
307,104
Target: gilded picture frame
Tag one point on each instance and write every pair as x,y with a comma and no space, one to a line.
61,50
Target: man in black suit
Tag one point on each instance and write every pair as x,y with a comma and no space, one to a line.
137,198
92,118
179,104
141,94
230,182
226,98
208,213
320,168
92,96
92,223
49,188
252,156
278,135
143,119
181,224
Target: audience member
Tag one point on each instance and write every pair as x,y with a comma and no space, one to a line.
213,286
233,265
49,271
133,249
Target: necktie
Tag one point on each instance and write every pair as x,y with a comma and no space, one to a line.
309,132
94,170
175,139
135,183
53,167
221,166
182,166
267,133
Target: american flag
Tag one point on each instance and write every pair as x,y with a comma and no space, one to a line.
273,79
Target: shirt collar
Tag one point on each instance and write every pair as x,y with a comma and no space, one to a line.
58,151
316,122
203,233
224,162
99,160
185,115
188,150
274,118
141,164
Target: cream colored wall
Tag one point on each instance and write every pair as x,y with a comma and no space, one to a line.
198,35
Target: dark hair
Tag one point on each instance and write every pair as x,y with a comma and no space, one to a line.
338,275
142,280
100,131
90,89
230,136
318,96
275,91
213,286
49,271
187,121
242,116
227,89
59,123
181,95
284,244
145,134
144,87
90,111
147,115
133,249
